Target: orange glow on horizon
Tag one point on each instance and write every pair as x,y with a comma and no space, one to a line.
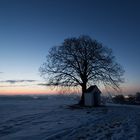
42,90
25,91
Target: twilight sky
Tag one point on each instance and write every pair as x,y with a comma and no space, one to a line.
29,28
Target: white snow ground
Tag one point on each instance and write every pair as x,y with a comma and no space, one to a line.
51,119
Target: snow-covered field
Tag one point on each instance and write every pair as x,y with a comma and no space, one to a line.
52,119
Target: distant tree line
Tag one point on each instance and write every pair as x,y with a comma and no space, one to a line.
130,99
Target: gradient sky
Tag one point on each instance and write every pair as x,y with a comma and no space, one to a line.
29,28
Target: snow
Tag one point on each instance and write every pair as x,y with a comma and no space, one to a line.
52,119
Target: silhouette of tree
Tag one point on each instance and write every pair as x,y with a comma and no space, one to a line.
81,61
119,99
138,96
131,98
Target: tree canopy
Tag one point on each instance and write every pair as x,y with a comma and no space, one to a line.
81,61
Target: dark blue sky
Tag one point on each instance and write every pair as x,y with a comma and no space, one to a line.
28,28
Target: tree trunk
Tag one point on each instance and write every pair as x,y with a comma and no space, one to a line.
82,100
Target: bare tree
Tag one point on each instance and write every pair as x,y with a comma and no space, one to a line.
81,61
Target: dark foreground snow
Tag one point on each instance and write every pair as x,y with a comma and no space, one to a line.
51,119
